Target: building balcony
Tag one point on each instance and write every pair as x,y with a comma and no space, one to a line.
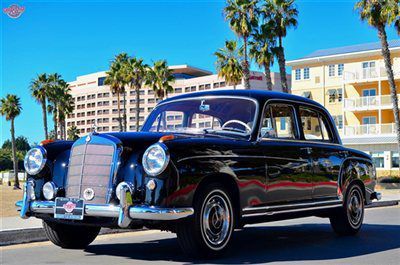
368,103
370,129
363,75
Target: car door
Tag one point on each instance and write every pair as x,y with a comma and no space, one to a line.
287,160
326,154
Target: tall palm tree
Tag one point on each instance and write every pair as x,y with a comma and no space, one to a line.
380,14
115,79
280,15
135,74
10,107
65,106
242,17
73,133
54,95
39,89
228,63
159,78
262,45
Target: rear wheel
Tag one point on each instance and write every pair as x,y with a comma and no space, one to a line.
207,234
70,236
348,219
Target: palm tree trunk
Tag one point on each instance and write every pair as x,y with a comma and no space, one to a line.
119,111
389,71
55,113
14,154
245,65
44,112
125,121
282,69
137,107
267,71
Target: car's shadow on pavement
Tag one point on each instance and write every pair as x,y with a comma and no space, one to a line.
269,244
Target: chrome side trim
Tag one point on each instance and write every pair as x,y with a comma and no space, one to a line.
142,212
288,208
239,156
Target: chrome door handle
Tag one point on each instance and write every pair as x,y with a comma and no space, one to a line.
308,150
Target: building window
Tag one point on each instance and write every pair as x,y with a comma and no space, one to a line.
340,94
332,95
178,90
100,81
338,121
340,69
306,73
298,74
395,159
331,70
378,159
307,94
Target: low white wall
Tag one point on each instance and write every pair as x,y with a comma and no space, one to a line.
6,176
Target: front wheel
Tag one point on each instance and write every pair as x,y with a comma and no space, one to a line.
208,233
348,219
70,236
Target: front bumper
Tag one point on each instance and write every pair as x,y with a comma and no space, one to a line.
125,211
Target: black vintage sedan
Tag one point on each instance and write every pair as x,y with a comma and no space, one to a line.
203,165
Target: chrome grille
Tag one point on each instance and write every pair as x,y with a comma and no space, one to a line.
90,166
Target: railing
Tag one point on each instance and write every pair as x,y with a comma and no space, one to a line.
368,103
365,74
369,129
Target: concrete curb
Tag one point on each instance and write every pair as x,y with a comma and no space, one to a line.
21,236
383,204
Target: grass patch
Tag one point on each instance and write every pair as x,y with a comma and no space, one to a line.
8,197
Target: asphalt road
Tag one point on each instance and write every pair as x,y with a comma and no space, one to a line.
301,241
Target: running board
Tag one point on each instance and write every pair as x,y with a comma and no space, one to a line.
290,208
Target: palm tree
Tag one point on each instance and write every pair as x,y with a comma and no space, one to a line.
280,15
228,63
380,14
262,45
242,17
159,78
65,106
73,133
115,78
10,108
135,74
39,89
54,95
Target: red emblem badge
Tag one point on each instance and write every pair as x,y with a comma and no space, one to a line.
69,207
14,11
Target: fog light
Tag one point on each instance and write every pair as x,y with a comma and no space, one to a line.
123,185
49,190
151,185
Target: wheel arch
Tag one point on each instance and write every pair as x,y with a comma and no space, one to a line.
353,171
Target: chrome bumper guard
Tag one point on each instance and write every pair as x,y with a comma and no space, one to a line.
124,212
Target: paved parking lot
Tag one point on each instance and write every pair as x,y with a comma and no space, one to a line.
301,241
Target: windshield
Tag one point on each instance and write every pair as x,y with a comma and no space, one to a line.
219,115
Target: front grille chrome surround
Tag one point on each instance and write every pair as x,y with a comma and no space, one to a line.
92,164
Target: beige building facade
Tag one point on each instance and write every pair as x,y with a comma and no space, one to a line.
351,82
95,104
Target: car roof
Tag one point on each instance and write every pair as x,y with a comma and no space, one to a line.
260,95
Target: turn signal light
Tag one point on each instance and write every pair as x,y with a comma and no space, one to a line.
167,138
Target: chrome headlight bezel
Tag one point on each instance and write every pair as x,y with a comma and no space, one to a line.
162,165
40,165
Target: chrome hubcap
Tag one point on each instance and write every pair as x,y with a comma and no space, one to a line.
355,207
216,220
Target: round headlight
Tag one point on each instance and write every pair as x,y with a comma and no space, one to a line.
155,159
49,190
35,159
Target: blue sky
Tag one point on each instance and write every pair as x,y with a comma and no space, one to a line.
79,37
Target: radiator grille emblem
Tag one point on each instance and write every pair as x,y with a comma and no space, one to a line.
88,138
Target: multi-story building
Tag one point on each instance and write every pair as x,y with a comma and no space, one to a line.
351,82
95,104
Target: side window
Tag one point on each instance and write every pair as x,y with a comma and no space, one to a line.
278,122
314,125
